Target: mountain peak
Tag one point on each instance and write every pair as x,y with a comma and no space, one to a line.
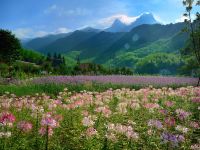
117,22
120,25
117,26
146,15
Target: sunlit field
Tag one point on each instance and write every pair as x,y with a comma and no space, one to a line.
115,119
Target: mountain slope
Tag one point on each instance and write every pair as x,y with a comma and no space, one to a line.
90,29
65,44
38,43
117,26
139,37
95,45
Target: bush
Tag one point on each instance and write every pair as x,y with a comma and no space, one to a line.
4,69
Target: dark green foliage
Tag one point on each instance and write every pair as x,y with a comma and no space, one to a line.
31,56
191,53
130,43
26,67
9,47
96,69
4,70
159,63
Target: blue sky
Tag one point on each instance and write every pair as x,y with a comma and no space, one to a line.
31,18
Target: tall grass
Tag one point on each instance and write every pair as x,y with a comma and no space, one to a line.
54,89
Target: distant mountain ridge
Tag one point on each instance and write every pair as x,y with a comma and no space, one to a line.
116,48
40,42
117,26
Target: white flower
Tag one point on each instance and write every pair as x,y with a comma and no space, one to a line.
195,146
7,134
1,134
182,129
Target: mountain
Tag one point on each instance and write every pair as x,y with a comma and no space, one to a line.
95,45
146,18
140,37
65,44
119,48
119,26
90,29
38,43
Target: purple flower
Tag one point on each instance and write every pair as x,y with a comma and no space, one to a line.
182,114
155,123
174,140
153,80
180,138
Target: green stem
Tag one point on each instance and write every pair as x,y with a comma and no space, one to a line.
47,137
36,131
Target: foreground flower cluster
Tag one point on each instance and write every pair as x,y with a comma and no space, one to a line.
115,119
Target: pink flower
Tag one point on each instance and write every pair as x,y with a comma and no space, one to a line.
169,103
85,113
5,105
43,131
170,121
91,131
194,124
7,118
47,121
25,126
151,105
58,117
105,110
196,100
163,111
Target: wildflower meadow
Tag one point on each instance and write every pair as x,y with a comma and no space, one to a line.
145,119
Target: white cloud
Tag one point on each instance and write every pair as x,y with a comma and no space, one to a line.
158,18
24,33
105,22
62,30
182,18
60,11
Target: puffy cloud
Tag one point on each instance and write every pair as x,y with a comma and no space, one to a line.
182,18
22,32
62,30
105,22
